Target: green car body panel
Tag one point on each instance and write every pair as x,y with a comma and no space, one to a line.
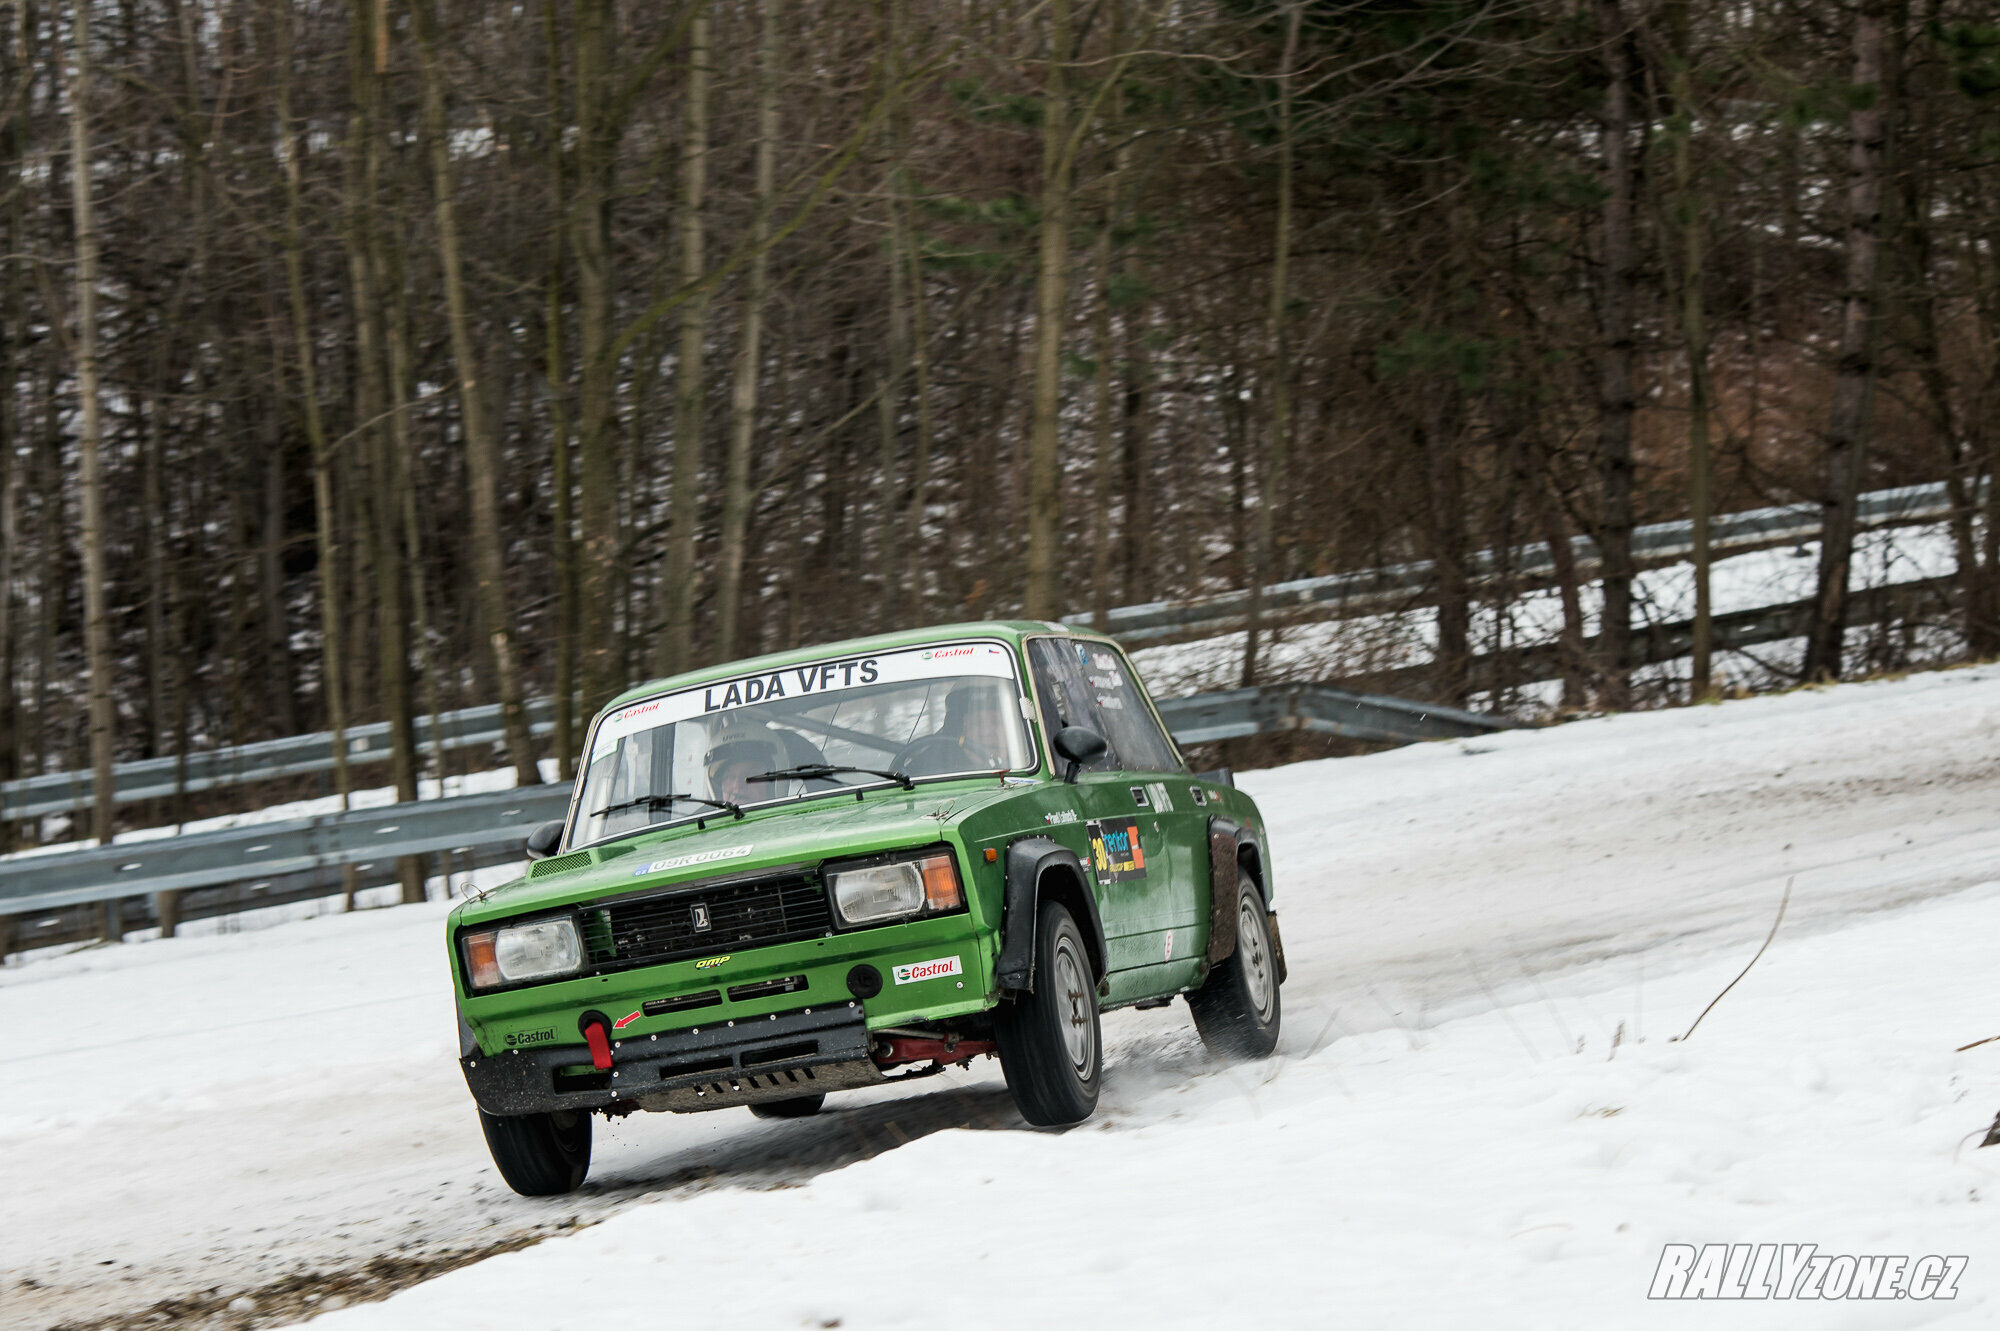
1154,924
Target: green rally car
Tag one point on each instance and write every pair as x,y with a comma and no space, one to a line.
853,865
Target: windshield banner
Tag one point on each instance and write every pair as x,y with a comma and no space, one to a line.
835,675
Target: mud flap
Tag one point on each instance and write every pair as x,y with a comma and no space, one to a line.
1222,875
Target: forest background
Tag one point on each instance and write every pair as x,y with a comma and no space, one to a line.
359,361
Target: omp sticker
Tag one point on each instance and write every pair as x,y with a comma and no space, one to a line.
928,970
700,857
1170,945
546,1035
709,963
626,1020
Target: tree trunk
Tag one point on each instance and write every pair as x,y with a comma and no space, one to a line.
597,444
326,517
1694,343
399,578
556,374
271,585
1101,427
676,652
13,448
749,355
1614,361
380,385
1854,383
1044,590
96,600
1137,530
1575,657
481,450
1446,510
1275,480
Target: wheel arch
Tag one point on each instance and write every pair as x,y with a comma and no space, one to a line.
1040,869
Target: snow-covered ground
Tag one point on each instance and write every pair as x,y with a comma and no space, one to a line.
1476,1113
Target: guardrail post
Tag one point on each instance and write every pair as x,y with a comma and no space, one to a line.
167,905
6,937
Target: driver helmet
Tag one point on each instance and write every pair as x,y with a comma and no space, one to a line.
737,743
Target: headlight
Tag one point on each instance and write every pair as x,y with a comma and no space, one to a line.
523,952
880,892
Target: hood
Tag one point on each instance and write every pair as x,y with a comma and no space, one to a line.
826,827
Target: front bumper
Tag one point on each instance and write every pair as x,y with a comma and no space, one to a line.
779,1056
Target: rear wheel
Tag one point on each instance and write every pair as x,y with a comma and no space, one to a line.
1238,1011
803,1107
1050,1047
540,1155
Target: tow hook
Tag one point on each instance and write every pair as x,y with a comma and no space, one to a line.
596,1028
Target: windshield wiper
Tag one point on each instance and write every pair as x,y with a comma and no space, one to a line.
819,771
652,802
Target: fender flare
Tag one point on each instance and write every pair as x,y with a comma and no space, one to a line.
1029,861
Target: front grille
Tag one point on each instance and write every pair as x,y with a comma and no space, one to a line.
757,913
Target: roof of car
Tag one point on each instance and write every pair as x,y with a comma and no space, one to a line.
1012,631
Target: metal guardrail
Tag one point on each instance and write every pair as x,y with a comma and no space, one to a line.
1373,589
48,881
294,755
1337,594
1208,717
239,854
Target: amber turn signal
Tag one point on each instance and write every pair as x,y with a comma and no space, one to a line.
481,965
941,883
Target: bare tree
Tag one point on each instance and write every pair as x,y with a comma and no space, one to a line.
96,574
1854,382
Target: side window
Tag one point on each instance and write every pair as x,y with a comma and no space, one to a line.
1066,697
1128,723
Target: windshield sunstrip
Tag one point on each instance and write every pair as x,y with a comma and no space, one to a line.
845,724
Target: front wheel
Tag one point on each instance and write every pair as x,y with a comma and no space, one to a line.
1237,1011
540,1155
1051,1050
805,1106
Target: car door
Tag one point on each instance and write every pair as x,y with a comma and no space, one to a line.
1130,859
1155,768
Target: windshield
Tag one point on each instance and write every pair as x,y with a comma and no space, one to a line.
934,711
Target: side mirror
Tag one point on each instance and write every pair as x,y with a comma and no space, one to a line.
1077,746
543,840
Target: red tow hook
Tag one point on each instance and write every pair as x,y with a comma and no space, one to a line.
597,1032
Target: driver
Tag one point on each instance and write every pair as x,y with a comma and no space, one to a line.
973,737
739,753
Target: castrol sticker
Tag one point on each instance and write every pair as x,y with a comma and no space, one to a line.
928,970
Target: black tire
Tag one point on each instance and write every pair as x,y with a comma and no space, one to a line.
540,1155
1238,1011
803,1107
1050,1047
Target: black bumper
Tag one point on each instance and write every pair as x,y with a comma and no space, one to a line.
739,1062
